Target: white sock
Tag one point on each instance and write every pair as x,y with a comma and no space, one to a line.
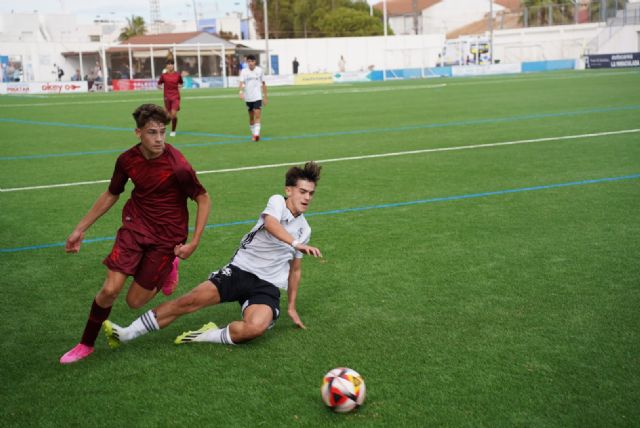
256,129
146,323
252,127
220,335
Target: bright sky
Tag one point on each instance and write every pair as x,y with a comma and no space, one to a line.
87,11
170,10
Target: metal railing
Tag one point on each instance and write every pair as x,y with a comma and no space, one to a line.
613,12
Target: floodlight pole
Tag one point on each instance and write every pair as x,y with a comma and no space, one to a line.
266,34
384,16
105,70
384,19
130,76
195,13
153,67
490,31
81,66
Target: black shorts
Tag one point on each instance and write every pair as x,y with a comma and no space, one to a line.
237,285
254,105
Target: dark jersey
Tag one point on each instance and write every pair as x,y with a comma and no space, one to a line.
171,82
158,204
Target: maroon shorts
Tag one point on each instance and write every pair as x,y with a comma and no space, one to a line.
172,104
138,256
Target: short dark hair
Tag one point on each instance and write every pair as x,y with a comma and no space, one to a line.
251,57
310,172
150,112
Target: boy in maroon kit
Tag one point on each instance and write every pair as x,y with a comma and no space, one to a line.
154,222
172,81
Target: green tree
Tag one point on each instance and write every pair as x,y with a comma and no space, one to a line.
543,12
135,27
228,35
343,22
600,10
308,18
280,15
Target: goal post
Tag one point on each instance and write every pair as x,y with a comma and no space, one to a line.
410,63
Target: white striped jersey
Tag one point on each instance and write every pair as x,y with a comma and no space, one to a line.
264,255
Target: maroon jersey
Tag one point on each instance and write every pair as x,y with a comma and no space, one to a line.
157,208
171,82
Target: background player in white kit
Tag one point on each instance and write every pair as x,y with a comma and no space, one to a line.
253,90
269,259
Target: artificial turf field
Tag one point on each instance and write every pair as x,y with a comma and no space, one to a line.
485,274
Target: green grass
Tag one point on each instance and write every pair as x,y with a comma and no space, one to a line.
509,309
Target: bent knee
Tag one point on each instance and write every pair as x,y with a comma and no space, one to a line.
135,303
109,292
253,330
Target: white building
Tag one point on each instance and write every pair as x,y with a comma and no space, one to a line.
439,16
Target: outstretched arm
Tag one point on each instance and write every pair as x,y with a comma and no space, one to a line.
295,274
274,227
204,207
101,206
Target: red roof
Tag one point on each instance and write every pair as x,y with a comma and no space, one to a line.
404,7
482,26
512,5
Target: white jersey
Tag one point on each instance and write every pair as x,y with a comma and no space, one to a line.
252,80
266,256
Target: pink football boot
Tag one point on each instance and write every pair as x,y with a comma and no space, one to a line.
77,353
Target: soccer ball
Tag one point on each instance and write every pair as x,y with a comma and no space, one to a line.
343,390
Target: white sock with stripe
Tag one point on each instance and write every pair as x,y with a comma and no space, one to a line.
146,323
220,335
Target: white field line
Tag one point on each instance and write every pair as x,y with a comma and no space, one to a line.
484,80
353,158
234,95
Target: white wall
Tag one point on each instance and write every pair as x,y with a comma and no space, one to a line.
563,42
443,17
620,40
38,58
322,55
360,53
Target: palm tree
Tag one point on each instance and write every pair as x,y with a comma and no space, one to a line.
546,12
135,27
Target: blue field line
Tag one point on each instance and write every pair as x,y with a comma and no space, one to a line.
368,208
102,152
106,128
245,139
462,122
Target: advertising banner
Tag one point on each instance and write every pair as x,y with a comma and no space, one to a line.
134,84
43,87
351,76
484,70
279,80
313,79
206,82
631,59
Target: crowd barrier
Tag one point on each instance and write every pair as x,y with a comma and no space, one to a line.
25,88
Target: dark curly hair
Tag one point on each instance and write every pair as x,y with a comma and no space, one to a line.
150,112
310,172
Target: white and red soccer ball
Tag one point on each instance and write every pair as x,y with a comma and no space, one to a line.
343,390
